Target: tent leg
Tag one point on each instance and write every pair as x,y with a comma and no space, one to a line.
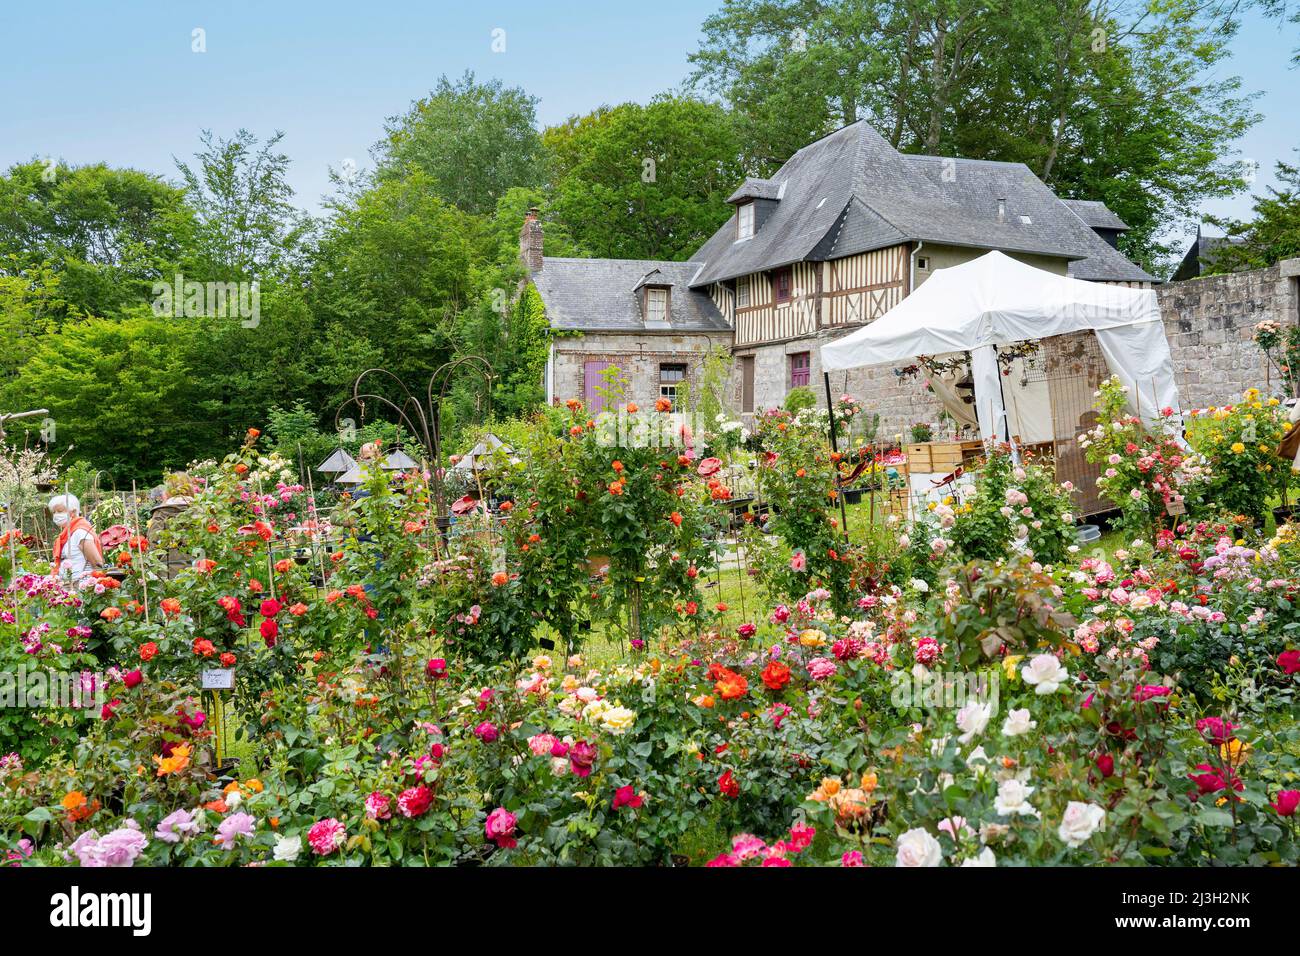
835,447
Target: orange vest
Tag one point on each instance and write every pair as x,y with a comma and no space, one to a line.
61,541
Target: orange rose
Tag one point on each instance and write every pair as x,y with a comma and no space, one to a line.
148,651
170,606
499,579
776,675
111,613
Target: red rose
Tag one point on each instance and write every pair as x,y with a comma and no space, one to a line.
110,709
727,786
132,679
270,607
1106,764
1289,661
1287,802
436,669
626,797
269,630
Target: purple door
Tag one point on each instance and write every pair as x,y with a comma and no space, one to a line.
591,378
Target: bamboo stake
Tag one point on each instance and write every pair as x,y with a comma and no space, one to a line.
313,525
139,543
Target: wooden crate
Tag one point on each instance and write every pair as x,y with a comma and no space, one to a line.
937,456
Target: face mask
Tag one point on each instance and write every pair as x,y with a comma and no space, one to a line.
61,518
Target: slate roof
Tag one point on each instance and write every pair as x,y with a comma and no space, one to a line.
753,188
1096,214
1107,263
600,295
851,192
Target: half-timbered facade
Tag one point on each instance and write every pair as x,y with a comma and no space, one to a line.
833,240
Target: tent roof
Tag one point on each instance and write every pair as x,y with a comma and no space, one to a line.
992,300
484,449
337,463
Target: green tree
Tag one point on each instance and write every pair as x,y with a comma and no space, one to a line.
30,305
120,393
646,182
473,140
247,225
1116,101
1271,234
396,267
108,234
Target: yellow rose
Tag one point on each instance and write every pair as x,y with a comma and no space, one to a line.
1238,448
1009,665
618,720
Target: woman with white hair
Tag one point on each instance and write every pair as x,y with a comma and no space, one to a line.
76,549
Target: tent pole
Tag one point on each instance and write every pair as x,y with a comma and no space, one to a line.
835,447
1006,419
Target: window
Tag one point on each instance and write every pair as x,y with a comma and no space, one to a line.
656,306
800,368
670,376
923,263
781,284
745,221
742,292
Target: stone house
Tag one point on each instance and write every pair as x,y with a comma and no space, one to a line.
841,233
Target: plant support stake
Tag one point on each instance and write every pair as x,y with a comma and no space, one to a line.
835,448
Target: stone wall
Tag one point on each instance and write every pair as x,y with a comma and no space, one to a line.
637,355
1210,324
900,402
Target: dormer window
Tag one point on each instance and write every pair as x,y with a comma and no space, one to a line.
656,306
745,221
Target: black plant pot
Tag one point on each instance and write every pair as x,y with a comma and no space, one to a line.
853,497
1284,513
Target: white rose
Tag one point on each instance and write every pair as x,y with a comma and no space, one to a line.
1013,799
985,858
287,848
972,719
1045,673
1081,821
1018,723
917,848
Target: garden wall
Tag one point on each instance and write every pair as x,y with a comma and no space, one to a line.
1210,323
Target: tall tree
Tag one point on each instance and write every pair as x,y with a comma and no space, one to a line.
397,267
646,182
247,225
1103,99
1271,234
473,140
108,234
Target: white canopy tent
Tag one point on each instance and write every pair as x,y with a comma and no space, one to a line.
996,300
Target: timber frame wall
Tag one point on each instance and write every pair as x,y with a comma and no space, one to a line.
840,293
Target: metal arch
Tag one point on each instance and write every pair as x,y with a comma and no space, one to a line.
424,421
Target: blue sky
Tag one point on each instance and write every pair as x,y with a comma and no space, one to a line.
118,82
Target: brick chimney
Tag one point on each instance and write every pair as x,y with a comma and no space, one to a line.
530,242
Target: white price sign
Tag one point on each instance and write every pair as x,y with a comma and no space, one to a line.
218,679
